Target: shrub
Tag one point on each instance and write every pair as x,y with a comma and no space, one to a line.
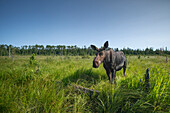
33,60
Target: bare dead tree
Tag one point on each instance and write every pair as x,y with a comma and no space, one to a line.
9,52
88,91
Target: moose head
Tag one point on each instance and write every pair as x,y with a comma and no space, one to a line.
100,54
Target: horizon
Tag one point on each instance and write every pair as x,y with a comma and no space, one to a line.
125,24
163,48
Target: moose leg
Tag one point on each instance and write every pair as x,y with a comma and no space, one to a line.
113,76
109,75
108,71
124,69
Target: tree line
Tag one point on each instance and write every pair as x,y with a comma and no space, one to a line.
63,50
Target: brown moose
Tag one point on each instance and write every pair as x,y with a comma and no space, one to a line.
112,61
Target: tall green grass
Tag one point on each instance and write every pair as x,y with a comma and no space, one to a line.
48,85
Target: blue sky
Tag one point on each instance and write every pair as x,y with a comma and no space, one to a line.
124,23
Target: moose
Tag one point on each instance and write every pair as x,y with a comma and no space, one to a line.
112,61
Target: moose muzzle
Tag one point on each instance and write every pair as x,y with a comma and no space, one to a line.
96,63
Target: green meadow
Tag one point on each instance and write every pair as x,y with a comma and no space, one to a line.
47,84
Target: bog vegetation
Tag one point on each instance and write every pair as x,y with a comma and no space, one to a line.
47,84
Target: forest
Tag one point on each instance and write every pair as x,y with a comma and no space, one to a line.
63,50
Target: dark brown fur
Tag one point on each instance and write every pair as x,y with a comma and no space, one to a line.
112,61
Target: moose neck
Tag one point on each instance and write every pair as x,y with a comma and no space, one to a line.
107,55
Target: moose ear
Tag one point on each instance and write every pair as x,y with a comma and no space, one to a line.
106,44
94,47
